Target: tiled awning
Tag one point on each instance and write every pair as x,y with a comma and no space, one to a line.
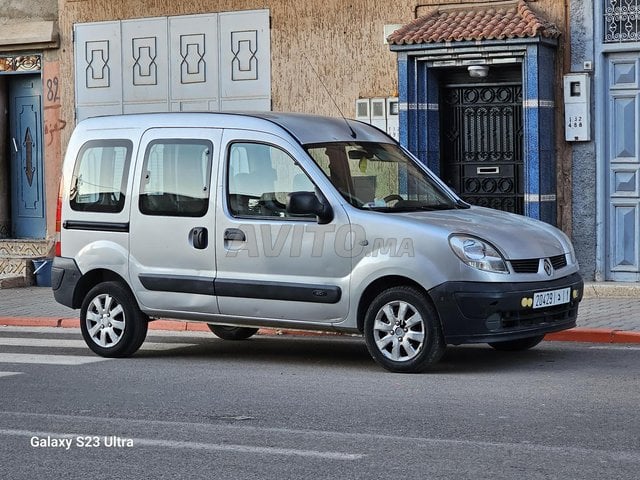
495,21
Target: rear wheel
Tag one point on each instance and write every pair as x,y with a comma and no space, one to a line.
232,333
402,331
517,345
111,322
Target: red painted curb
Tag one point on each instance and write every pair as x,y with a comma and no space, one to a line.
29,321
587,335
69,323
621,336
594,335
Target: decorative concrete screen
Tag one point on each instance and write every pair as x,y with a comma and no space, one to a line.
206,62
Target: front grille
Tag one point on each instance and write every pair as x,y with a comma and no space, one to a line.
559,261
529,265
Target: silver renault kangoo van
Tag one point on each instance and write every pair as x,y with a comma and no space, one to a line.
277,220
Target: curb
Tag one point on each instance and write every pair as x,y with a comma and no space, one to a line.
594,335
585,335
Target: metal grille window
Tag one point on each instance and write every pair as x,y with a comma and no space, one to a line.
622,21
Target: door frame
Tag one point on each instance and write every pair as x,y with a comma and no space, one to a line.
38,169
418,85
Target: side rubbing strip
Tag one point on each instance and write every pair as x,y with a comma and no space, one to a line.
296,292
121,227
176,283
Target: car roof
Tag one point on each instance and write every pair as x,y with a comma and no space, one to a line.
306,129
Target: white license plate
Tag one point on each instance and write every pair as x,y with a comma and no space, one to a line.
551,298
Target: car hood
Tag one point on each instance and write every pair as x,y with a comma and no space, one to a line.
516,236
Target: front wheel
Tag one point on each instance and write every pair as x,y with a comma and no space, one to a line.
232,333
517,345
111,322
402,331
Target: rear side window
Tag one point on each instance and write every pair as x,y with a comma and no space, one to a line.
175,178
100,176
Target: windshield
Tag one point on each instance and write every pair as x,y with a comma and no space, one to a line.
380,176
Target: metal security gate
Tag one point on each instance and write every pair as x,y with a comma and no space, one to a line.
481,137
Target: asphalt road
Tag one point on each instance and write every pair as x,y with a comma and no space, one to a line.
192,406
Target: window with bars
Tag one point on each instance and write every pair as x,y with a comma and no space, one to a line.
621,21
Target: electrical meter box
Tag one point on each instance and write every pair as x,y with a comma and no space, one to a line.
379,113
393,118
577,102
363,112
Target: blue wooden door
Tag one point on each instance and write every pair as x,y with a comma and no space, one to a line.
623,162
27,175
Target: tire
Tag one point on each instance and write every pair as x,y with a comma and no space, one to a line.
403,332
111,322
517,345
232,333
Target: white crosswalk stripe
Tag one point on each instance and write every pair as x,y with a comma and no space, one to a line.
49,359
66,343
53,343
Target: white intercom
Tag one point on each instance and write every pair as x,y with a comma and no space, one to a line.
577,112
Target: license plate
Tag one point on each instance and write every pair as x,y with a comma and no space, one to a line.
551,298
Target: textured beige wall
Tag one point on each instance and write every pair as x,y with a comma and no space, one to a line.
342,40
24,10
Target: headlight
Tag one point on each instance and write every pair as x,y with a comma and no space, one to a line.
477,253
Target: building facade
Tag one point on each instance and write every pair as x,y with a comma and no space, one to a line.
29,132
497,135
605,43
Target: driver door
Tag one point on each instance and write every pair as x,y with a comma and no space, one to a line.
272,264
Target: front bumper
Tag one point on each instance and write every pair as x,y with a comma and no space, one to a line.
475,312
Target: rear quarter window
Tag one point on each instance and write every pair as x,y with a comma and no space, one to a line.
100,176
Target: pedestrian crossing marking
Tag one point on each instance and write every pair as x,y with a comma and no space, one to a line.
53,342
49,359
67,343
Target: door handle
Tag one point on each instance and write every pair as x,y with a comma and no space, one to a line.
199,237
234,234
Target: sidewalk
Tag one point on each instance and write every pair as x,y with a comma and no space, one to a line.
609,313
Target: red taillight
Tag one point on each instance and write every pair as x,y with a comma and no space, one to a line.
59,221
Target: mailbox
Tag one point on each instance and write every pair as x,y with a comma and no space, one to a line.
577,111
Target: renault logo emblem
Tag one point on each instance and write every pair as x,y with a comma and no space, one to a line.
548,267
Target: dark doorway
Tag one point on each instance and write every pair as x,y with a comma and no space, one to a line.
481,139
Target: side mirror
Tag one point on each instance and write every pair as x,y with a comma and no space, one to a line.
305,203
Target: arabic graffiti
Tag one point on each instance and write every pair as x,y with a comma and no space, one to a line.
51,127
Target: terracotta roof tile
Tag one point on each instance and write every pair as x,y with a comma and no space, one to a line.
506,20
